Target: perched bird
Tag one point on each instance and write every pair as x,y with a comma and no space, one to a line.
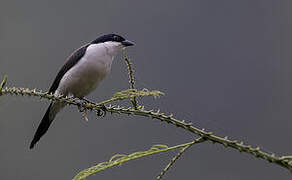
81,74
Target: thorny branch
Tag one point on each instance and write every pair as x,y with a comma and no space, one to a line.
131,78
284,161
132,94
175,158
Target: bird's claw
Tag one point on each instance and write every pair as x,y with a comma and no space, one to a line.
82,109
83,101
101,111
87,100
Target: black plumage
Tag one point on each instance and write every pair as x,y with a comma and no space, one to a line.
71,62
47,121
73,59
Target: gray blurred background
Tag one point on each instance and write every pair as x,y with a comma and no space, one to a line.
223,65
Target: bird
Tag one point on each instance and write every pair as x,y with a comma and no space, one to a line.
83,71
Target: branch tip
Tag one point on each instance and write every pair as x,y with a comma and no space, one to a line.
3,83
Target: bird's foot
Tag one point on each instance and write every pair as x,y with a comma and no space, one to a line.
82,109
83,101
87,100
101,111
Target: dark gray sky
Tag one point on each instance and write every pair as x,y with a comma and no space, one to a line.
223,65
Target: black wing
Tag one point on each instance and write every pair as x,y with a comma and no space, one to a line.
72,60
47,120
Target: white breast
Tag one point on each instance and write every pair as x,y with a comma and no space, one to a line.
86,75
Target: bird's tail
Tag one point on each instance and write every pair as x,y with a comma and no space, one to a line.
48,118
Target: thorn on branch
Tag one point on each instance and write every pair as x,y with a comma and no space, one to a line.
131,78
284,161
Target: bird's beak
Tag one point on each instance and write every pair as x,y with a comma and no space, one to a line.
127,43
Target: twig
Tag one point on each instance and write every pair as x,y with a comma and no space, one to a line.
119,159
131,77
3,83
130,94
176,157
